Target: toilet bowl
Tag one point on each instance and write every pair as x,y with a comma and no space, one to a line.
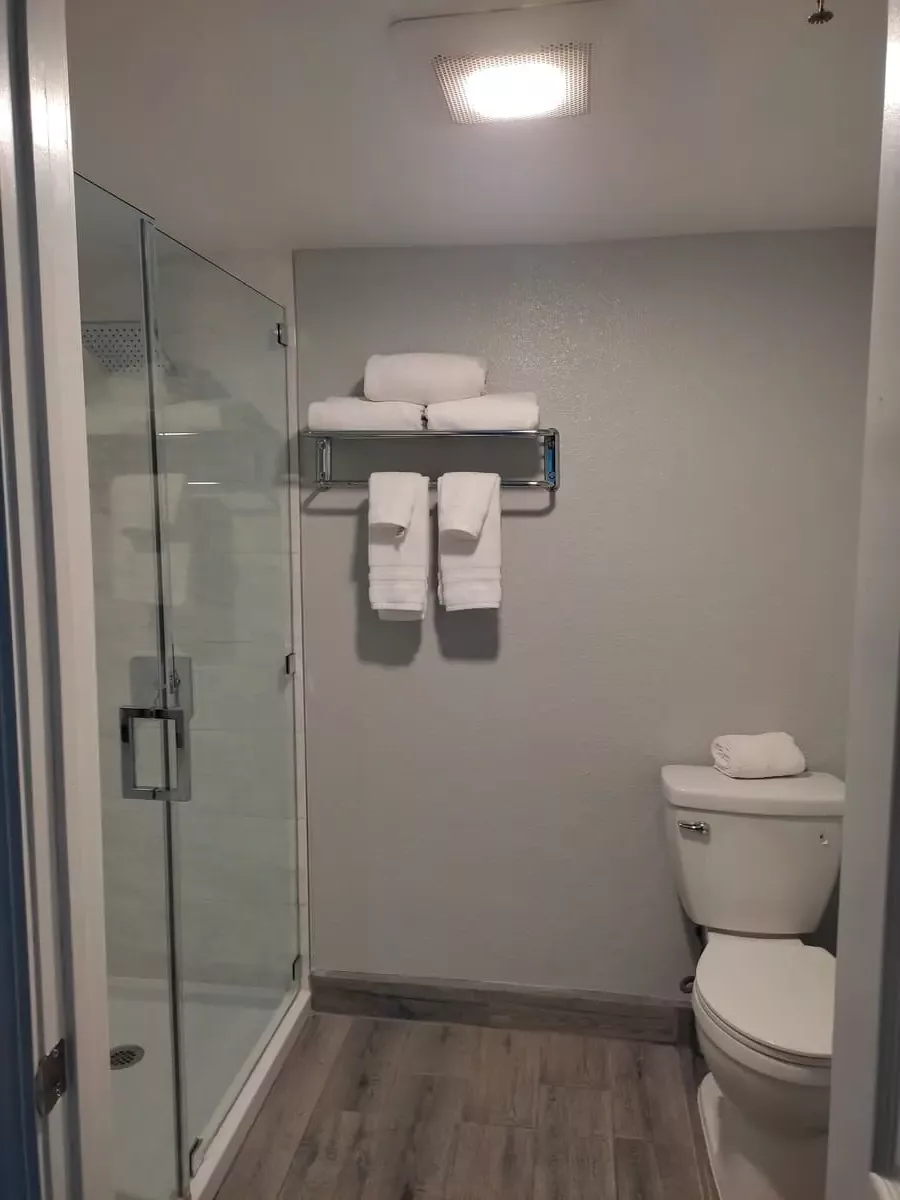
756,861
764,1011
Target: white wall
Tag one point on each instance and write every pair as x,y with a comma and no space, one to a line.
484,799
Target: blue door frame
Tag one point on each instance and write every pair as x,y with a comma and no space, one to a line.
19,1174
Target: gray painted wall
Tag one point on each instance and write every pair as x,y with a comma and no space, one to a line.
483,797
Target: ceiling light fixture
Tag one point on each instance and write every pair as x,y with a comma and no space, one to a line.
513,91
553,81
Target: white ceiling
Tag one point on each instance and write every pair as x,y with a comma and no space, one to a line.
284,123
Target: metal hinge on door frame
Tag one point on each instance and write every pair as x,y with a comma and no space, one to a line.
283,334
50,1079
290,663
196,1154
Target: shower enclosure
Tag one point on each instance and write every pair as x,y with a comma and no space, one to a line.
188,434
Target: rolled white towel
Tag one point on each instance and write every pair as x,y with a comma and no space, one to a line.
352,412
513,411
757,756
423,378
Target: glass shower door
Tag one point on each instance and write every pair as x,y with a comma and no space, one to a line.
220,395
187,418
131,675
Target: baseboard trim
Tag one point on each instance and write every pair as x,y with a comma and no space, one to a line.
598,1014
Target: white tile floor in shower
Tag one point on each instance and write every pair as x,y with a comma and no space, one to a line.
225,1030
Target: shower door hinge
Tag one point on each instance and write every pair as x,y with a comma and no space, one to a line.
283,334
290,663
50,1079
195,1157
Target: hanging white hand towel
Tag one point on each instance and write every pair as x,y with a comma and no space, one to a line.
399,545
469,540
757,756
423,378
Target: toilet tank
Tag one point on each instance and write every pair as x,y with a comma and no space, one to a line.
758,856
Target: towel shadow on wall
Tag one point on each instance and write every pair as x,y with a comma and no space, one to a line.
470,635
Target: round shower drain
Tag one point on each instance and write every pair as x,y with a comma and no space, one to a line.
121,1057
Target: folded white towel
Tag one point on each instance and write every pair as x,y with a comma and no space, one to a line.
352,412
423,378
464,498
469,540
399,545
757,756
392,497
513,411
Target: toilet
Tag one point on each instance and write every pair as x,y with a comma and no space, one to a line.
756,862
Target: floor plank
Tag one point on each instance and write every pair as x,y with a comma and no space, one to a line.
568,1060
442,1050
630,1119
428,1109
649,1096
574,1156
582,1169
265,1157
664,1096
505,1090
637,1177
319,1159
677,1171
366,1067
574,1112
491,1161
692,1071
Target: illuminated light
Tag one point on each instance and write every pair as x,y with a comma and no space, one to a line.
514,91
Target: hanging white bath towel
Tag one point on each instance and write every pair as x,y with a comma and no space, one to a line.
469,540
399,545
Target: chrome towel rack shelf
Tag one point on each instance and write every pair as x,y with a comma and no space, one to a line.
323,440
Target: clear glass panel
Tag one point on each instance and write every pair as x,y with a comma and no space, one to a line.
126,573
221,419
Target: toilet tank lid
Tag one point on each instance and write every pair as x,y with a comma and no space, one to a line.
812,794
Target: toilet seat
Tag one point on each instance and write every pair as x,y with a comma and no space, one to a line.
775,997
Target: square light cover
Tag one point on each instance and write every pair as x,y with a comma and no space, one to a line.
553,81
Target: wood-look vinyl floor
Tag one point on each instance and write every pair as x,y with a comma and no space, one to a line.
392,1110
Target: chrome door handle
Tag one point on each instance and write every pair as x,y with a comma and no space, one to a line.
169,789
700,827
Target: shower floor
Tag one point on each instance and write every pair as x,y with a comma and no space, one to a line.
225,1030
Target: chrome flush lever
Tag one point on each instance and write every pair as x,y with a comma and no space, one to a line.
700,827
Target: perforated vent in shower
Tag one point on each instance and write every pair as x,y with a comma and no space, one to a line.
119,345
572,58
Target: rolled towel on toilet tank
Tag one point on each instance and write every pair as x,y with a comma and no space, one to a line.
423,378
517,410
352,412
757,756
